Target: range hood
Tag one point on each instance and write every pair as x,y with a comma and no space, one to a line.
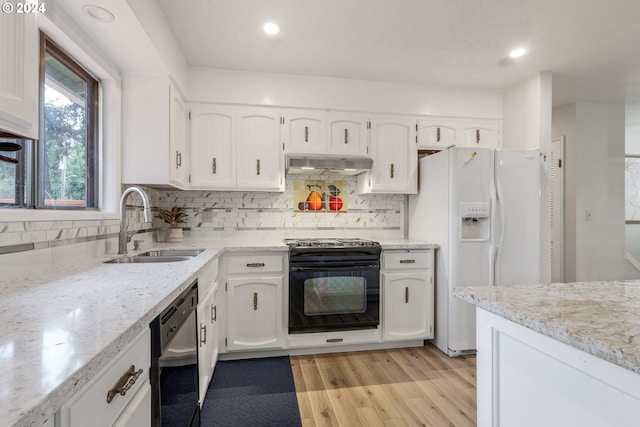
327,165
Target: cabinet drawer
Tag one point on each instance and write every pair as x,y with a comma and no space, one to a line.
90,403
207,277
407,260
255,264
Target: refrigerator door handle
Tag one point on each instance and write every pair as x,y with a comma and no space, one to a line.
502,226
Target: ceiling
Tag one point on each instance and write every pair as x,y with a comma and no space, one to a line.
591,46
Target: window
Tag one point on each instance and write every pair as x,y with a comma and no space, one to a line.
68,152
15,172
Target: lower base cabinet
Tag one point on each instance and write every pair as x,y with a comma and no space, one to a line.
208,339
407,295
98,403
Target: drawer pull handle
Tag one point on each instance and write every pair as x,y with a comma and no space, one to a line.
255,300
203,335
331,340
406,295
126,381
214,313
255,264
407,261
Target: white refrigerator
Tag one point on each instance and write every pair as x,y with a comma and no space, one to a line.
483,208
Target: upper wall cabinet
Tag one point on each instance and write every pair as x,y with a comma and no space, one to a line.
155,132
236,148
395,158
213,147
260,163
19,74
305,132
442,132
348,134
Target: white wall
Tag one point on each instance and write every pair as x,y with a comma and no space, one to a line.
242,87
594,182
527,113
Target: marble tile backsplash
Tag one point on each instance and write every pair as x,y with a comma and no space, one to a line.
211,214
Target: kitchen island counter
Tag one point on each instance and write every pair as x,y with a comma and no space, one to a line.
572,349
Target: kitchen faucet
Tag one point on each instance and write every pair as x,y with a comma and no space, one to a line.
123,238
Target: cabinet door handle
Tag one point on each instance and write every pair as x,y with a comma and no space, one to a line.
346,136
392,169
406,295
407,261
438,135
257,166
203,335
214,167
477,136
126,381
255,264
306,134
214,313
255,300
178,159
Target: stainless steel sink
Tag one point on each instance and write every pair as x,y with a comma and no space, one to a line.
159,255
172,252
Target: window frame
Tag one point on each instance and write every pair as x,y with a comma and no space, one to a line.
93,152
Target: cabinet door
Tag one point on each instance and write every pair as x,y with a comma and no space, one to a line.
260,164
408,305
19,73
208,340
255,313
348,134
178,137
395,157
305,132
436,134
213,147
481,134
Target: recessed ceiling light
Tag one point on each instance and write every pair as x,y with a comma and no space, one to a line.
271,28
517,53
98,13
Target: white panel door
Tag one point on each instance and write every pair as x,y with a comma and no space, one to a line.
395,157
407,305
305,132
518,217
178,137
213,147
471,172
260,160
347,134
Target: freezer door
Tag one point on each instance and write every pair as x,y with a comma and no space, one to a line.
518,217
471,183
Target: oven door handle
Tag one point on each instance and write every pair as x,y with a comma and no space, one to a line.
336,267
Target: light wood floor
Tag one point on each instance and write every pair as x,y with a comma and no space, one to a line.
399,387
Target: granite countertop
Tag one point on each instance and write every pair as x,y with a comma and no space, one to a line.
62,326
600,318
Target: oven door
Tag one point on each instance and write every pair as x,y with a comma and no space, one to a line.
334,296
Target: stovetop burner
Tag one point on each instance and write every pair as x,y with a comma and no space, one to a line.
330,243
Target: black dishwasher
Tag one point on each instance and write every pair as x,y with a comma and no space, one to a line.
174,363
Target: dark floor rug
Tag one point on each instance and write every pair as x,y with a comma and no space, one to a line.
252,392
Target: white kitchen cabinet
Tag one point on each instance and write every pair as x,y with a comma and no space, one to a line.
305,132
480,133
407,295
395,158
254,301
260,161
213,147
91,403
178,139
19,71
437,133
348,133
154,132
208,339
